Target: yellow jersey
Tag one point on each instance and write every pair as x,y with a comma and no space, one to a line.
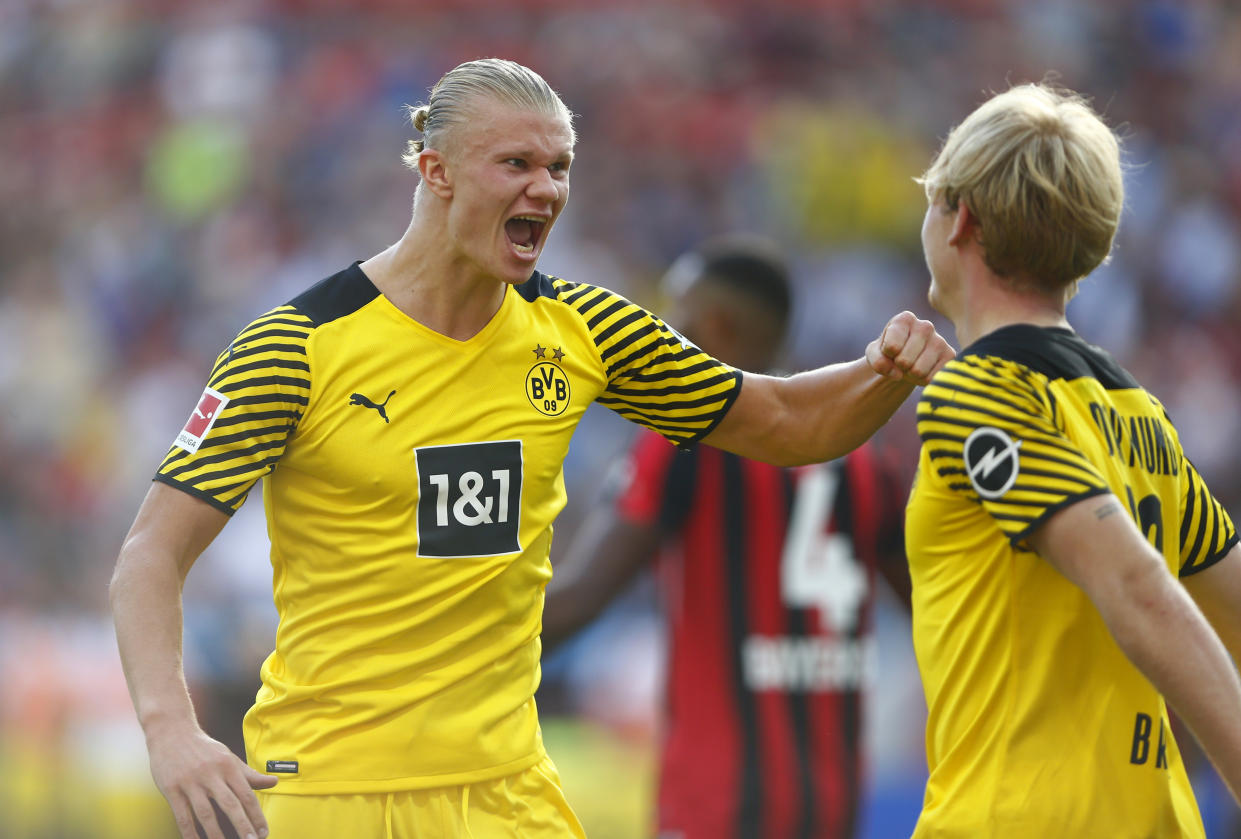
1038,725
410,483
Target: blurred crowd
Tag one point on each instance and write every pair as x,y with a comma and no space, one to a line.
171,169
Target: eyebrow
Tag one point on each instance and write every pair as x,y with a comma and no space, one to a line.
527,154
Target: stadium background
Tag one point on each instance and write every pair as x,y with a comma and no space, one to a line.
168,170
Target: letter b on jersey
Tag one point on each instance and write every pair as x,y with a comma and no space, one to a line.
469,499
1143,727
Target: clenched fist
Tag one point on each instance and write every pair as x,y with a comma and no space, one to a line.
910,349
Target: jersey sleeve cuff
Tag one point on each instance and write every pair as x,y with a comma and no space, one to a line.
1017,540
1212,559
197,493
693,439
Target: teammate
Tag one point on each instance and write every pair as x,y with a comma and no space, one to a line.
1053,511
409,416
769,581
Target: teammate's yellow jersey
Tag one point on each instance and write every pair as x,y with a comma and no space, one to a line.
1038,724
410,482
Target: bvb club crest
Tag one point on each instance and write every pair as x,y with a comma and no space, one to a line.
547,386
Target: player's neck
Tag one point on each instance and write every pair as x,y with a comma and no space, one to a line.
994,304
422,281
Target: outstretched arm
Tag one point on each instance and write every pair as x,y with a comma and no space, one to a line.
191,769
1096,545
825,413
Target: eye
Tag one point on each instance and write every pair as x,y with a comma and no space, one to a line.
517,162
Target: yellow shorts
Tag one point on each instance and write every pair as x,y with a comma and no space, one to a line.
530,805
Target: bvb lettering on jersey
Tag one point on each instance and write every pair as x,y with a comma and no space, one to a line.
1038,725
410,483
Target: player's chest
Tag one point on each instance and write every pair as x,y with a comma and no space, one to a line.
388,404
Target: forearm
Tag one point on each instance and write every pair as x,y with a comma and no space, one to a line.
811,417
1168,639
198,776
146,611
844,405
570,604
605,556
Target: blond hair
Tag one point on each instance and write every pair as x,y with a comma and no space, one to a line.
497,78
1041,172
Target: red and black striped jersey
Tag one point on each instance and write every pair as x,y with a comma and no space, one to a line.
769,576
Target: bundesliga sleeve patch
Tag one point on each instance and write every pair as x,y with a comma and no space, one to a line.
991,461
210,404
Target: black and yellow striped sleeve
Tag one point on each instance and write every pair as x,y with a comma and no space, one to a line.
261,385
655,376
987,425
1207,532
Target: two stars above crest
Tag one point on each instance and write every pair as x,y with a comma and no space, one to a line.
540,351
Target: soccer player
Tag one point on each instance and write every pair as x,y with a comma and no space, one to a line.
409,417
1058,537
768,578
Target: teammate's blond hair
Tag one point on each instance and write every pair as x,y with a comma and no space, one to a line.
1042,174
497,78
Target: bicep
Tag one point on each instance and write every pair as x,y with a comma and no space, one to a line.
1217,591
1095,544
171,526
752,418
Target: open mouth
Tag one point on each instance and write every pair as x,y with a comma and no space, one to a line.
524,232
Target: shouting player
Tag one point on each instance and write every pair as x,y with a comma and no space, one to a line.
409,417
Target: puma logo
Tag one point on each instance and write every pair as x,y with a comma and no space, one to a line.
359,399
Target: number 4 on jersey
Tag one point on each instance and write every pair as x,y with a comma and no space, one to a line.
818,568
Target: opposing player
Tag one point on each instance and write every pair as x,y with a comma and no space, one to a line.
1053,513
768,582
409,416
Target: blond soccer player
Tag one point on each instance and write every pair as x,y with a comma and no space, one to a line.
409,417
1063,549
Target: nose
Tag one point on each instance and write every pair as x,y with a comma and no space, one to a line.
542,186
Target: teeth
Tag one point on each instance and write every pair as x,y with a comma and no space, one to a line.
539,220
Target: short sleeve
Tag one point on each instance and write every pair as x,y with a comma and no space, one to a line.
655,376
1207,532
987,425
255,395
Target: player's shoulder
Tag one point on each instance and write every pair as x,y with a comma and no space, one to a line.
1054,353
333,297
288,328
1024,360
583,297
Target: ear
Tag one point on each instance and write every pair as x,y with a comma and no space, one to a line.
965,225
434,171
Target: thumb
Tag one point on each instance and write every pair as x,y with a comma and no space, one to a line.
880,363
258,780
